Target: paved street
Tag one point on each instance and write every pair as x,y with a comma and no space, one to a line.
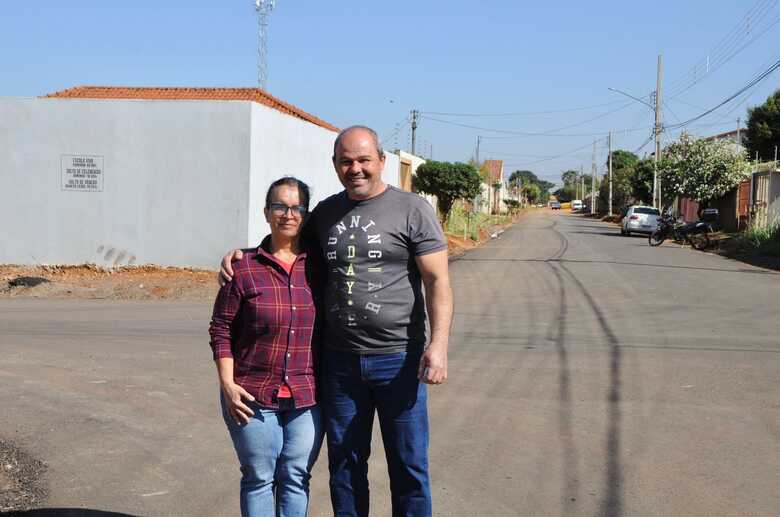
589,375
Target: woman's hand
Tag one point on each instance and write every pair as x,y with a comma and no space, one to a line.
235,396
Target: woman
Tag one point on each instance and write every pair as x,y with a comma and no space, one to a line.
262,338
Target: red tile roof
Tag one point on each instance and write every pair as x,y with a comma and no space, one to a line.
211,94
495,170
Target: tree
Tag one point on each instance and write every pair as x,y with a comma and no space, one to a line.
524,179
623,169
570,181
641,181
763,128
622,160
701,169
533,193
448,182
569,177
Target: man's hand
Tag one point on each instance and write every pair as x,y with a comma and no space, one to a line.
235,396
226,268
438,296
433,365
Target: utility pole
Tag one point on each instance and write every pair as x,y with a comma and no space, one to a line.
609,212
479,138
593,180
739,131
415,114
751,197
582,183
658,129
769,219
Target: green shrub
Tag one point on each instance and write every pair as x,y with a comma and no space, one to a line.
763,239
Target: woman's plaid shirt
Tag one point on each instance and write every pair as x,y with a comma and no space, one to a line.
264,320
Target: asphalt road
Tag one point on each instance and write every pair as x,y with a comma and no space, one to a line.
589,375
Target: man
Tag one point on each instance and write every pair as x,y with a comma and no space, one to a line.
380,246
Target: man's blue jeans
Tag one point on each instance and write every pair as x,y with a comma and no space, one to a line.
277,450
353,387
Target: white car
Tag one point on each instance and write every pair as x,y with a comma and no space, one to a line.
640,219
576,205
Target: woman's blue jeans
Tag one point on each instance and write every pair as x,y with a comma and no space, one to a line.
277,450
353,387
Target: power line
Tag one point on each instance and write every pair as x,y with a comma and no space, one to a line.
644,144
728,47
520,113
555,157
398,127
748,86
518,155
551,133
667,107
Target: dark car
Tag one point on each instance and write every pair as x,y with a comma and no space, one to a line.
555,205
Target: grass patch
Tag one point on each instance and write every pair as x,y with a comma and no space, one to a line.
761,240
463,223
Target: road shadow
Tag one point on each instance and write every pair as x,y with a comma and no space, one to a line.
570,482
637,264
610,234
762,261
612,502
65,512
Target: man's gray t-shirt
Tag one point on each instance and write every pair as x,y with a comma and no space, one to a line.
373,298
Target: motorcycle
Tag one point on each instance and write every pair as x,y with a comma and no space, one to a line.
696,234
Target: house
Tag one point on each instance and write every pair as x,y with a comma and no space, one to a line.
169,176
494,189
734,136
753,200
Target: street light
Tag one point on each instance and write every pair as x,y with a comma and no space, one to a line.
656,131
632,97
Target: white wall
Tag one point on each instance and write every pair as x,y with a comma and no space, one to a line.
286,146
392,173
175,181
416,161
182,181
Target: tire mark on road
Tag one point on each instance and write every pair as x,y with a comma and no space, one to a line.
612,503
570,483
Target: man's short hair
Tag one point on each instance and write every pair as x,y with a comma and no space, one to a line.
379,151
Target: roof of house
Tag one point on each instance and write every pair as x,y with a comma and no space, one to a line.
495,170
728,134
182,93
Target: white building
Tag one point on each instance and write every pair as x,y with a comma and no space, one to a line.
169,176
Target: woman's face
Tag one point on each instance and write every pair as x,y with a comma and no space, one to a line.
283,215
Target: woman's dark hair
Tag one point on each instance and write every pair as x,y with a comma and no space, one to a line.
289,181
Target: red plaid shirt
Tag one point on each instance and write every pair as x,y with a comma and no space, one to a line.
264,320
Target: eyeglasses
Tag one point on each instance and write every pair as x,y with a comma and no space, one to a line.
280,209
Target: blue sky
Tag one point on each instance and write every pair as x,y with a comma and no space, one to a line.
372,62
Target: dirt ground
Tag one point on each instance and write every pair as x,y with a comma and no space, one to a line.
89,281
93,282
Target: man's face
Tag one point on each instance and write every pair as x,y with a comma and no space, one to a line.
358,165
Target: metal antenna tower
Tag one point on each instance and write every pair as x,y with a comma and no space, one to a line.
263,8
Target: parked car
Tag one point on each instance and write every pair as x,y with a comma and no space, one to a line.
640,219
576,205
555,205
